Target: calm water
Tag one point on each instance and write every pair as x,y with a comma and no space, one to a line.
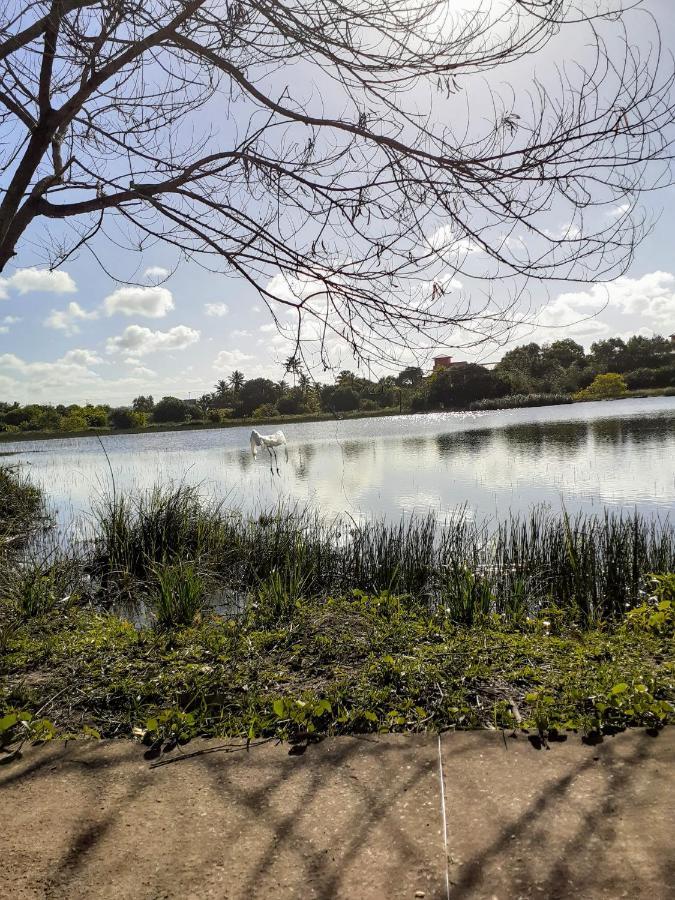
588,456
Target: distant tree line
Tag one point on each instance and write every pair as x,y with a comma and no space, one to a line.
527,375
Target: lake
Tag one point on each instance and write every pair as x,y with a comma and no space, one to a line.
587,456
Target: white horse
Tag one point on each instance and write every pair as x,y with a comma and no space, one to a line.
271,441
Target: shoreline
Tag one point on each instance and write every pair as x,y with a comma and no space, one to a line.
27,436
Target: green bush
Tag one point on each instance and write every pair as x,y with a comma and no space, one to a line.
170,409
265,411
604,387
123,417
664,376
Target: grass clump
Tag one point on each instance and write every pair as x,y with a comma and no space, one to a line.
178,594
22,508
134,534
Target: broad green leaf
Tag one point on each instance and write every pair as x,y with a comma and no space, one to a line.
620,688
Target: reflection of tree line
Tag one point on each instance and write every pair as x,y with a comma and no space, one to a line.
561,435
569,436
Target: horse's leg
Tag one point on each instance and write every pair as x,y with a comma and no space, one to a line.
276,460
269,450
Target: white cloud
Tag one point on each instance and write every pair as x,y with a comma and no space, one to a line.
156,273
640,332
619,211
445,240
26,280
139,341
11,320
276,340
269,328
143,372
651,297
564,233
571,320
152,302
217,310
240,332
229,358
3,329
65,319
81,357
45,377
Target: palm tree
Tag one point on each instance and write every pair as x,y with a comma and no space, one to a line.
304,382
293,366
237,380
221,387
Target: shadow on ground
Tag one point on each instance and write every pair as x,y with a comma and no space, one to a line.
351,817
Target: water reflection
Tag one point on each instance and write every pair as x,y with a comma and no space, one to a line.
637,431
554,436
474,440
491,463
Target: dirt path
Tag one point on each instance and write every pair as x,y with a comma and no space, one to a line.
351,817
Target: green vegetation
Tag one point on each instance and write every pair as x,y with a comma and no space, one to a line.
179,618
604,387
331,666
516,401
21,508
529,375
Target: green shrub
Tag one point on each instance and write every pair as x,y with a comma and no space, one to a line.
122,417
265,411
170,409
657,614
604,387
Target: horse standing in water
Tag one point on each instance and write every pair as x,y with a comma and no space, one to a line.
271,441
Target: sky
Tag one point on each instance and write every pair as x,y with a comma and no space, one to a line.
77,335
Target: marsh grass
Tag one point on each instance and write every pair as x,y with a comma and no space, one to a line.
41,582
22,508
518,401
172,551
135,533
589,567
177,595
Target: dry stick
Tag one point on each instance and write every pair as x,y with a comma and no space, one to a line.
223,748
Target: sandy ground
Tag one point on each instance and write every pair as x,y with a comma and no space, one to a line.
351,817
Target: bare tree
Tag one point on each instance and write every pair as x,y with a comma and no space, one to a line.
348,158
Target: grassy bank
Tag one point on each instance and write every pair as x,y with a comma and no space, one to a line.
10,437
179,617
333,666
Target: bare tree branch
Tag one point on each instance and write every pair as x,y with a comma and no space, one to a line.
349,159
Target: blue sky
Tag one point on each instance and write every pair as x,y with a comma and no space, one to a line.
77,335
